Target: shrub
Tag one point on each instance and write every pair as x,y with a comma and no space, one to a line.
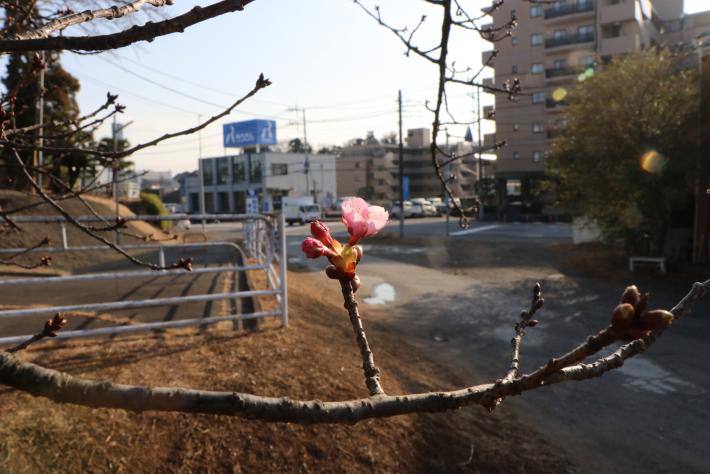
153,206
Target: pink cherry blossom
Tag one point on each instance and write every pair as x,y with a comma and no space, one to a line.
361,219
314,248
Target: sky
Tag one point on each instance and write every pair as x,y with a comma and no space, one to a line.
326,56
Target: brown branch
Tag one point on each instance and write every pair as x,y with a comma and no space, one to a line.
147,32
64,388
89,15
372,373
50,329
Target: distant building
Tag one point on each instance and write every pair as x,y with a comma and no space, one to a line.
372,171
227,179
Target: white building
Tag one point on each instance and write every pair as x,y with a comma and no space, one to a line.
270,175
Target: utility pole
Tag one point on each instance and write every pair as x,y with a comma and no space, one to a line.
202,177
306,164
40,120
447,176
115,129
481,187
401,169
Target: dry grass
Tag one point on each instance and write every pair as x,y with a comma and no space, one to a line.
33,233
314,358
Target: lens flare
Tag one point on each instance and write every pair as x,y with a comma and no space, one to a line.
653,162
559,94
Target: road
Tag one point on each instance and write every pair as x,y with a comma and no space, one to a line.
650,416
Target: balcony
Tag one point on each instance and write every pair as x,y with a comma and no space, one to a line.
489,140
624,11
558,72
575,38
620,44
553,104
562,10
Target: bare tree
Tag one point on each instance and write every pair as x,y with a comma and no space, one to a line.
631,324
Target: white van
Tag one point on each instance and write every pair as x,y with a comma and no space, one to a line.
300,210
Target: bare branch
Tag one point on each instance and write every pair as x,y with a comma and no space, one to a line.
372,373
50,329
64,388
89,15
147,32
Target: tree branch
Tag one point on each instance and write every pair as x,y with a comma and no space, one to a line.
372,373
147,32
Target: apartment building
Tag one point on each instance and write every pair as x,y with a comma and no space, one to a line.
372,171
553,47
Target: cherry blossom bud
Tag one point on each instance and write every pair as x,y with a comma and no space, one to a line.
321,232
622,318
656,319
533,322
539,303
536,290
355,283
631,295
314,248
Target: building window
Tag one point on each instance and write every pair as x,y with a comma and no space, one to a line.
513,187
222,170
537,127
240,202
223,200
612,30
535,11
585,30
536,39
537,68
515,69
588,61
279,169
207,172
357,164
537,156
513,40
560,63
538,97
516,155
559,34
238,170
254,169
516,127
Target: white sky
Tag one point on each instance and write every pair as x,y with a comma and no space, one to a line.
325,55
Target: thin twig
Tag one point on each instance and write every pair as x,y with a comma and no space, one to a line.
372,373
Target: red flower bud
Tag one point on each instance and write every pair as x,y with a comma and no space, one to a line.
631,295
321,232
656,319
622,318
314,248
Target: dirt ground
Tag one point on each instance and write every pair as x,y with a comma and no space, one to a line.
315,357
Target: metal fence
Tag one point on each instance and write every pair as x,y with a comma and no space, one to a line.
264,243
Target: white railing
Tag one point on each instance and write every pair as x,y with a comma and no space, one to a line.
264,243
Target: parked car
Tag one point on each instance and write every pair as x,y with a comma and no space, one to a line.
395,210
428,209
438,204
417,209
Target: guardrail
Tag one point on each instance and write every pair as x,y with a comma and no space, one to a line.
264,243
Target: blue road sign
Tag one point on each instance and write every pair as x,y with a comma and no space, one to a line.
405,187
249,133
